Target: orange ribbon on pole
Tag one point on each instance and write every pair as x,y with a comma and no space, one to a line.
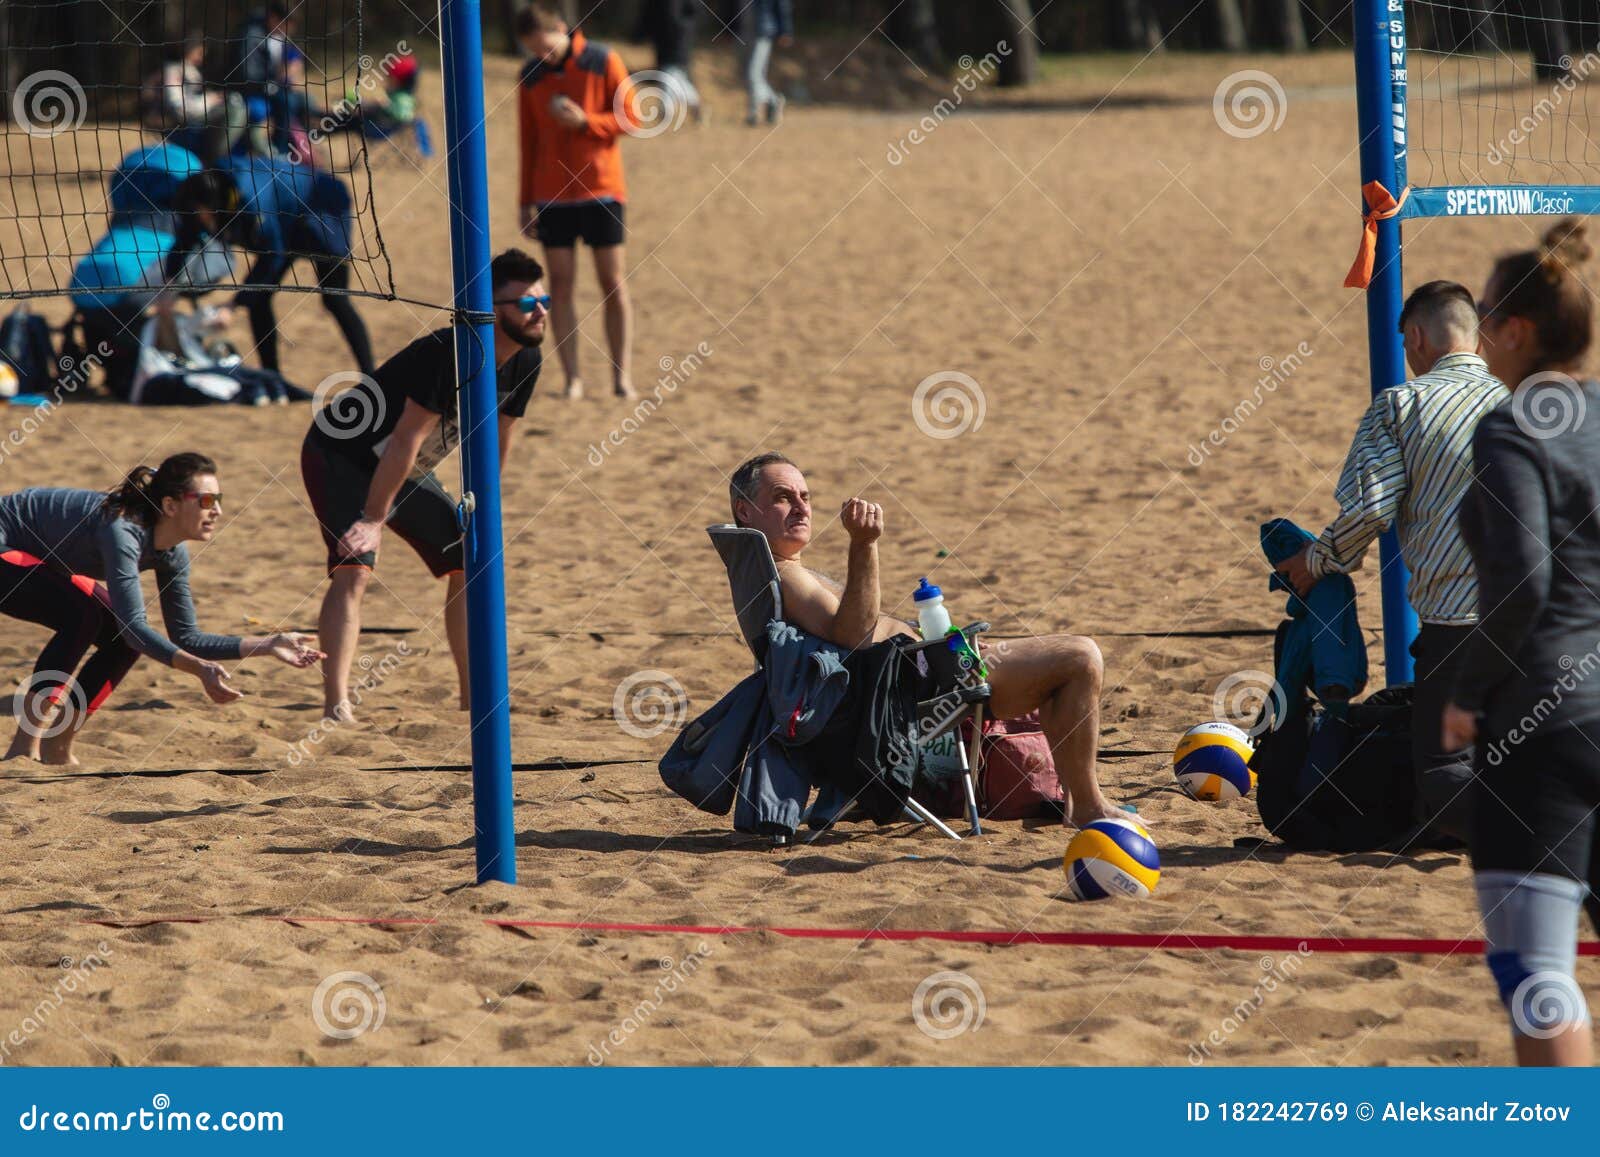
1381,205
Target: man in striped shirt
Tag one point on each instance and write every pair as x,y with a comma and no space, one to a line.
1409,466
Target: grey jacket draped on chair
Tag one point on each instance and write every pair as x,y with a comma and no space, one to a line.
746,752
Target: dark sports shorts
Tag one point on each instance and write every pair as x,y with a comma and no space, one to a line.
1536,803
424,515
599,223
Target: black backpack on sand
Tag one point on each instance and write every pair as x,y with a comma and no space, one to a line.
26,345
1340,782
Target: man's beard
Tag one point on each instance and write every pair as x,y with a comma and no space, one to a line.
521,336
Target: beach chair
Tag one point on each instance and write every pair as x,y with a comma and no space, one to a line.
959,690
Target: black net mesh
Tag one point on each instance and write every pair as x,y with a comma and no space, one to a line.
128,122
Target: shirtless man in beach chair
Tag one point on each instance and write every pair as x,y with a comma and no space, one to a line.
1059,675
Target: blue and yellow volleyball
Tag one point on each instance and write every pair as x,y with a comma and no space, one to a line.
1112,858
1212,762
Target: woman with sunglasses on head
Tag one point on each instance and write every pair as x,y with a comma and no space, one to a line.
1525,689
70,561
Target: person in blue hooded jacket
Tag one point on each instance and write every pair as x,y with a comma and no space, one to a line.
299,214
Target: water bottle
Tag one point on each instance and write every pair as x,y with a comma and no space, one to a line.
932,618
941,757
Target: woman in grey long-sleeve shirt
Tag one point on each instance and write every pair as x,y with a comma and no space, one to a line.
70,561
1528,684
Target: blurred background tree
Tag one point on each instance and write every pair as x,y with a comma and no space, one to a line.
934,34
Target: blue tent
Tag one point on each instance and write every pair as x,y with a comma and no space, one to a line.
128,255
143,185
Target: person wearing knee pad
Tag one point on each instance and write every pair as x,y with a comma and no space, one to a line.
1525,692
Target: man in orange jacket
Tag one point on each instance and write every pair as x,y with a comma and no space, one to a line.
574,105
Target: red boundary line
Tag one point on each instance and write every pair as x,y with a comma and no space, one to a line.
1158,942
1154,941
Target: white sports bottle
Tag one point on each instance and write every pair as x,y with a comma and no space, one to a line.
932,617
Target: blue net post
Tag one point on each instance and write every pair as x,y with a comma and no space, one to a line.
467,163
1380,46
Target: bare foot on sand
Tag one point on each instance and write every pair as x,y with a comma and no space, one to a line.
574,388
56,750
23,746
1103,810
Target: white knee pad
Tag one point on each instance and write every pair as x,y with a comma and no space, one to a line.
1531,922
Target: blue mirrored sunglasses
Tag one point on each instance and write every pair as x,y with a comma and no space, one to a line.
528,304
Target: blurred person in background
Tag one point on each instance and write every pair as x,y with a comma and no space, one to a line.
766,22
670,26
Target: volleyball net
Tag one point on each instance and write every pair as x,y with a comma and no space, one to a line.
110,105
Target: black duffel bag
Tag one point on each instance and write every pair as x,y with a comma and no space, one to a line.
1340,781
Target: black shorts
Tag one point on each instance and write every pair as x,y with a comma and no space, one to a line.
1536,803
599,223
424,515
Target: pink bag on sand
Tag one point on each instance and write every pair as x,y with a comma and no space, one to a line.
1018,778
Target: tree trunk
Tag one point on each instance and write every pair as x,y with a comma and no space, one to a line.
508,25
1547,38
1282,26
1230,27
1136,26
1463,27
1019,66
912,26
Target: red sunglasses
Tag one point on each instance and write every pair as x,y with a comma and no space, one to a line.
207,501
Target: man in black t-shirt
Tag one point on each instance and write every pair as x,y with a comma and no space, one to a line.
369,457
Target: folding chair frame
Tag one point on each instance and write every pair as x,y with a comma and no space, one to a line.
968,696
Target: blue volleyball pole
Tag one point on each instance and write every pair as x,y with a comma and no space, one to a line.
467,166
1380,47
